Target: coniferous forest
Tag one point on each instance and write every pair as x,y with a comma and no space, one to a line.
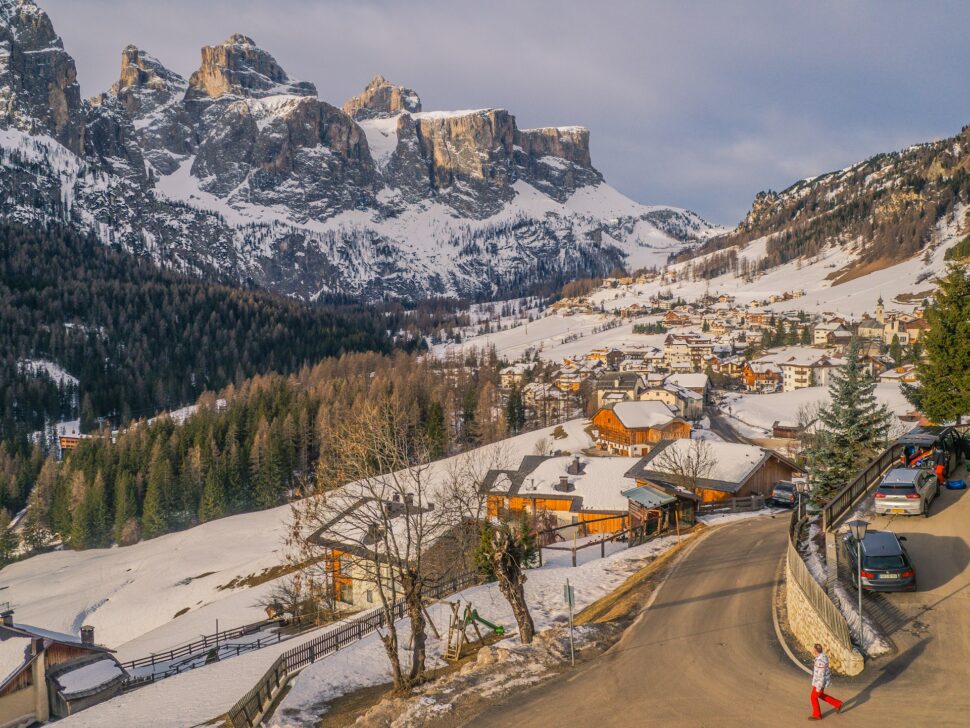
137,339
250,446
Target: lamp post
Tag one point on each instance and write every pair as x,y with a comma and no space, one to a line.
858,530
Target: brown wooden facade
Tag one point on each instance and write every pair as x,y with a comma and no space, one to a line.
617,437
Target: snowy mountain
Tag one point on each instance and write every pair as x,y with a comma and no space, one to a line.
877,213
243,171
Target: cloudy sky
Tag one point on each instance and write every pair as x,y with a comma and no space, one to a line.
697,104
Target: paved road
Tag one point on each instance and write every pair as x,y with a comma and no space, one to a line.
721,428
705,653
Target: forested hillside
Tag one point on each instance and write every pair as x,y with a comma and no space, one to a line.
272,432
889,206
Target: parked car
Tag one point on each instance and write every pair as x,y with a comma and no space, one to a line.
907,491
921,441
886,565
783,494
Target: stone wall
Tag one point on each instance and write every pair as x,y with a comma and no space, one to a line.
809,628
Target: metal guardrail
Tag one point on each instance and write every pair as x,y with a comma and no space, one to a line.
849,495
813,591
248,711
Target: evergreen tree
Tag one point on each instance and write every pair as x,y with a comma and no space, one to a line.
156,514
943,390
126,504
806,336
8,539
853,427
896,350
515,411
437,435
213,503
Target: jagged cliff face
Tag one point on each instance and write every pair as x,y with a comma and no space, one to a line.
243,170
39,92
382,99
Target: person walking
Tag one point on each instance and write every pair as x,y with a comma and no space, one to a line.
821,676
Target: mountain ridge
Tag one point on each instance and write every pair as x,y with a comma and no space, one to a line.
242,171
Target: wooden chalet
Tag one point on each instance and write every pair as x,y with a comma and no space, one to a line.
48,675
734,471
632,428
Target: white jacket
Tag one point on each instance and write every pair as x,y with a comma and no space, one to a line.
821,675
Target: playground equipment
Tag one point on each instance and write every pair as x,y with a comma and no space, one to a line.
458,626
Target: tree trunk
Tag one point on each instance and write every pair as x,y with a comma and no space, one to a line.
514,591
413,606
400,682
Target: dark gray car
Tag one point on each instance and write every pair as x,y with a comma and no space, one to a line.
885,564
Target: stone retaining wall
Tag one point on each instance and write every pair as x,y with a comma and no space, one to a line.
808,628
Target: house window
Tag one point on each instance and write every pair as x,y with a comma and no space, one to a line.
370,596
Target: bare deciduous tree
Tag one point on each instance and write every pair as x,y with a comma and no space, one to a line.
686,461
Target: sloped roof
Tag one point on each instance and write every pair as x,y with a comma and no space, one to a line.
646,413
648,497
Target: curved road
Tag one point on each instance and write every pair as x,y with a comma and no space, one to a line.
706,654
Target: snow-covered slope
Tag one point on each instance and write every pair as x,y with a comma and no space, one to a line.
242,171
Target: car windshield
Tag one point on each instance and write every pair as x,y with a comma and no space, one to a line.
897,488
784,489
885,562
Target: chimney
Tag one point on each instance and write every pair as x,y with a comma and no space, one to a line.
409,499
7,618
564,486
87,635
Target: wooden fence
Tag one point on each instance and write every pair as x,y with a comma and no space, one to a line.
198,647
814,592
732,505
249,710
849,495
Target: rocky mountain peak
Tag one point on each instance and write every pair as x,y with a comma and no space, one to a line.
139,70
39,92
237,67
381,99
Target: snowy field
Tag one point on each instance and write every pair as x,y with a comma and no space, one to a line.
131,594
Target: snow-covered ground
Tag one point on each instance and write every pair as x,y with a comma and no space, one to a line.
53,370
131,594
754,414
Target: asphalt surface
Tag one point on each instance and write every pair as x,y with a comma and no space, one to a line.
721,428
706,654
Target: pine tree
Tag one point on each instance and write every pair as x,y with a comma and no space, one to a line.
896,350
515,411
436,433
156,514
853,427
943,390
213,503
8,539
126,505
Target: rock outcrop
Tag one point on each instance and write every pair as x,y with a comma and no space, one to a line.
238,67
382,99
39,92
242,172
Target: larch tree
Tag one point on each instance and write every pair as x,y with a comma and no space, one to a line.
942,392
851,429
504,553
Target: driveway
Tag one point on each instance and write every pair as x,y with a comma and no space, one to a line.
706,654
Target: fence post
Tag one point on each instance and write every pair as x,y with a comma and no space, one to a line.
574,556
603,549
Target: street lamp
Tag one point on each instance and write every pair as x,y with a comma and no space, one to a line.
858,530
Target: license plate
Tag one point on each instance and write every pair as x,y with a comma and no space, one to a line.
889,576
897,510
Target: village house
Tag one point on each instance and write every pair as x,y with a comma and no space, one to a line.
515,374
828,332
684,402
761,376
697,382
610,356
616,387
52,675
869,328
573,490
905,373
632,428
730,470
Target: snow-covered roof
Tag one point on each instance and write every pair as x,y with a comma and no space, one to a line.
89,677
649,413
691,380
14,650
731,464
600,485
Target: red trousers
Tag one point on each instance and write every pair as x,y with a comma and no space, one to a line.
939,474
816,694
